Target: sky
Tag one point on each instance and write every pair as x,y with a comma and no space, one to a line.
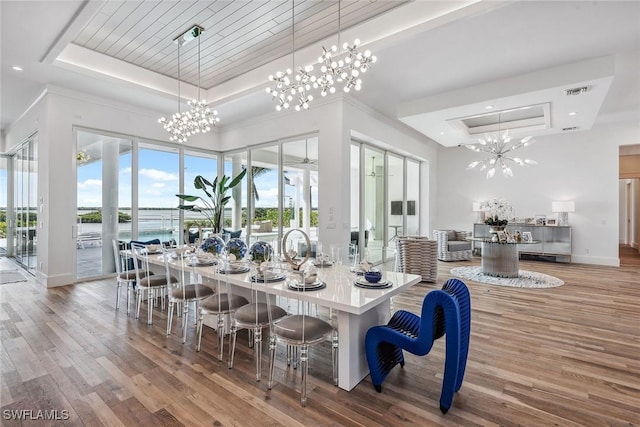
158,180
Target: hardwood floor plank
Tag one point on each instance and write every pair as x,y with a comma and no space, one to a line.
133,413
102,411
23,358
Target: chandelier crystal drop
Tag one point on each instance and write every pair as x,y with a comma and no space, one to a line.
499,148
199,118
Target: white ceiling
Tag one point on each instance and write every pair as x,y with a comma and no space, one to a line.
437,60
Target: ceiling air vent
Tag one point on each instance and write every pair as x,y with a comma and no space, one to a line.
576,90
569,129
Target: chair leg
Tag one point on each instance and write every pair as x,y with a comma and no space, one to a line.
185,321
199,330
170,316
257,342
150,303
129,291
272,359
334,356
196,309
304,366
139,294
220,336
232,345
118,287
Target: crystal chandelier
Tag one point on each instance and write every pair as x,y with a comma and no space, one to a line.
199,118
343,67
288,90
336,67
499,148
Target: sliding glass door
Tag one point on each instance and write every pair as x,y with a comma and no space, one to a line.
385,199
374,203
103,168
158,183
25,204
4,205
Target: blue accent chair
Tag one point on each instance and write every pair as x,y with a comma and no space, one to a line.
446,311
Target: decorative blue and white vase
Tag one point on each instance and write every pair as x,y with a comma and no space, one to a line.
213,245
237,247
260,251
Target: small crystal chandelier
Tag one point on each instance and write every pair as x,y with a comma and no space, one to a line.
344,70
199,118
287,91
498,147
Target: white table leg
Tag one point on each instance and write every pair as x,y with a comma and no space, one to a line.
352,329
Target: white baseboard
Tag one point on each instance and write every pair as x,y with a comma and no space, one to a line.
580,259
54,281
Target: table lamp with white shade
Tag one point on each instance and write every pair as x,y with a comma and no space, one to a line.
563,208
479,219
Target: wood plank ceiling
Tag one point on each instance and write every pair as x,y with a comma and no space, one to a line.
239,35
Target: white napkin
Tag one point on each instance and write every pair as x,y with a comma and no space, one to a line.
365,265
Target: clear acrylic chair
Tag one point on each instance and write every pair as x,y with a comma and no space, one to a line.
301,331
153,284
256,315
222,303
188,289
124,275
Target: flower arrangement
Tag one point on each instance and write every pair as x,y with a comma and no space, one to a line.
499,211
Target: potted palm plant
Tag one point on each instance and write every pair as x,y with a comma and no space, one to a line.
215,201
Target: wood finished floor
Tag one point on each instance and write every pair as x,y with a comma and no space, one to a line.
566,356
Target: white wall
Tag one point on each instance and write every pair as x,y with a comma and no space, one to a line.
580,166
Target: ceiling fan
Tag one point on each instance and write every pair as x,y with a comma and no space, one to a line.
373,174
306,161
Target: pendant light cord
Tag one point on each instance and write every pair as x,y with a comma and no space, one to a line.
339,26
179,78
293,36
199,33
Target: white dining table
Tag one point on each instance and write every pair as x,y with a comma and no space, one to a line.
358,309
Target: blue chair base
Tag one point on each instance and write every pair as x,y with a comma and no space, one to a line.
446,311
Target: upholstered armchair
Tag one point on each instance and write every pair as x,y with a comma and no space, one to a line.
453,245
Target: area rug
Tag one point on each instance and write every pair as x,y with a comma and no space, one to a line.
527,279
11,277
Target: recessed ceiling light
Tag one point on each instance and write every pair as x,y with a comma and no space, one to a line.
441,133
16,68
488,107
573,113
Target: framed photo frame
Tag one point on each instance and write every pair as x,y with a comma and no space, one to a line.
552,221
541,220
526,236
502,236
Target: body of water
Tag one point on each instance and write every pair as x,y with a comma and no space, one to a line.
152,224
